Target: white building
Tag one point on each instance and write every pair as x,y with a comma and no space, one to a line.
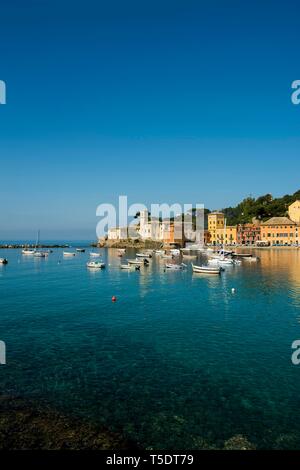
149,229
118,233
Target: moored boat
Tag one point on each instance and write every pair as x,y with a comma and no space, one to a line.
80,250
221,261
144,255
175,267
138,261
95,264
130,266
40,254
3,261
69,253
207,269
242,255
95,254
27,251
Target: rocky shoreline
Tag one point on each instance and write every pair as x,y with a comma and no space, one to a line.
140,244
26,425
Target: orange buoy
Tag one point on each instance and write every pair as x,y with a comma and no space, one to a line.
114,298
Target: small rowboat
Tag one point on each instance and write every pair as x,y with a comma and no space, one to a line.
130,266
3,261
144,255
206,269
69,253
94,254
95,265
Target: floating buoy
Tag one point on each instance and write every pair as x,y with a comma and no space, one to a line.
114,298
233,290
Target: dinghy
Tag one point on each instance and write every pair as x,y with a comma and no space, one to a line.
95,265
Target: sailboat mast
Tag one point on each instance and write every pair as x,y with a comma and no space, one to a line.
224,235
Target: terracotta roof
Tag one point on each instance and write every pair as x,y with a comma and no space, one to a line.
279,221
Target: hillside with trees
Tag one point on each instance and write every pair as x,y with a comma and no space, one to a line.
262,208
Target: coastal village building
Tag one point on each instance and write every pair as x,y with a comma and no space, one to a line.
280,231
216,221
294,212
216,229
118,233
149,229
248,234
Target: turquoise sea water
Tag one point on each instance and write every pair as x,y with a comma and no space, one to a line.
177,362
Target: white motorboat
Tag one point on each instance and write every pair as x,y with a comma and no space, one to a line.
69,253
175,252
138,261
175,267
27,251
206,269
144,255
130,266
40,254
221,262
242,255
3,261
252,259
95,254
80,250
95,265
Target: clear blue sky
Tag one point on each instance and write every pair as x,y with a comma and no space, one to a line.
182,101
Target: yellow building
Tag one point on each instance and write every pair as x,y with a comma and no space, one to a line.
216,221
230,235
216,228
280,231
294,212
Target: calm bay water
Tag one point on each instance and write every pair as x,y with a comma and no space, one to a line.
177,362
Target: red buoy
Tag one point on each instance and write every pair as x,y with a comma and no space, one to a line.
114,298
